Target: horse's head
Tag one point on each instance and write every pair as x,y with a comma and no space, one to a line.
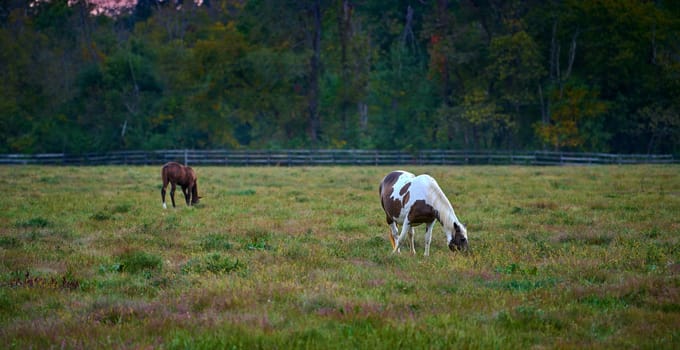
458,238
195,198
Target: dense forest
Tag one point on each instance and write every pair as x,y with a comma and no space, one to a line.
600,75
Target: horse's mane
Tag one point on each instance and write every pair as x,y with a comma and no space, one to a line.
438,201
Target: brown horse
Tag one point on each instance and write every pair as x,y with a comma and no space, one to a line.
178,174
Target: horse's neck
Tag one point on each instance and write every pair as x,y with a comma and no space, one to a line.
447,216
439,201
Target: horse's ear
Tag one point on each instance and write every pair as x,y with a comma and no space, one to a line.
456,226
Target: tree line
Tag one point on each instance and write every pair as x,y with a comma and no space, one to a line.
568,75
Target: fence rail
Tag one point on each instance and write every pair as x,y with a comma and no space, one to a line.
334,157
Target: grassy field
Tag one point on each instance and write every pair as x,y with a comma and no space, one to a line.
563,257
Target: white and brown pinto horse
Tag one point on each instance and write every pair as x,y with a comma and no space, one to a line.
178,174
413,200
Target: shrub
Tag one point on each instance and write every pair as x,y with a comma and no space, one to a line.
136,261
215,242
33,223
215,263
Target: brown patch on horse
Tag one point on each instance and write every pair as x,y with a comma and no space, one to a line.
391,206
406,195
422,213
404,189
391,179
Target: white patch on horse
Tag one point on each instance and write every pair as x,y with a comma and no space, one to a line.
404,179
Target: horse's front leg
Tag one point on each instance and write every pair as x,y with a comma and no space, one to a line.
190,195
428,237
404,230
186,192
393,234
172,193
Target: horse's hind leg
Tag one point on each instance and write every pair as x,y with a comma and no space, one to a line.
411,235
165,185
163,197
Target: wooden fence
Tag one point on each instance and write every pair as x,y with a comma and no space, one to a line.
332,157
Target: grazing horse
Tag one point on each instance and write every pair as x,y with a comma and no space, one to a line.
178,174
413,200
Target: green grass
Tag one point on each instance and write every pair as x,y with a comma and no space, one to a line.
563,257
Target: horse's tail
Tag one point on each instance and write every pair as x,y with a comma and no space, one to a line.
164,175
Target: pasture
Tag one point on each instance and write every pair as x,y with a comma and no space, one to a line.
562,257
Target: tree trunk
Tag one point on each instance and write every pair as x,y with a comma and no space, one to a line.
545,116
363,115
315,66
445,27
345,33
553,53
85,23
572,54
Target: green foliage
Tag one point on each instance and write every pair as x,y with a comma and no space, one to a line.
215,263
517,66
405,103
391,75
138,261
574,109
215,242
37,222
